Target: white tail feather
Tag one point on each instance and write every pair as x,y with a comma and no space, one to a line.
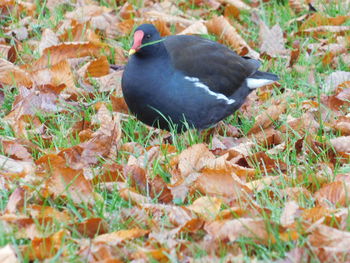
257,83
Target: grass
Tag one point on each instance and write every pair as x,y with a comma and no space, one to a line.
110,204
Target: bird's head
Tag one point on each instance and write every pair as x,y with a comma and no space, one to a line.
145,36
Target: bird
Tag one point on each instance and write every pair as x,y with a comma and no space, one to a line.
182,82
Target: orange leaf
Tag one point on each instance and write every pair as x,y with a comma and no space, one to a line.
220,27
333,194
91,227
97,68
120,236
266,118
55,54
13,75
231,230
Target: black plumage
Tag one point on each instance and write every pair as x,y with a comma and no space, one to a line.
177,79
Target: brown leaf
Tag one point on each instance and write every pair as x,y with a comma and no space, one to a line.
99,252
197,28
290,211
27,103
192,159
330,239
111,82
16,150
45,214
16,168
92,227
13,75
326,30
266,118
267,138
239,4
127,11
231,230
318,19
272,41
43,248
221,183
56,75
220,27
134,197
117,237
206,207
335,79
119,104
341,144
231,11
304,125
177,215
97,68
48,39
8,52
333,194
65,181
16,201
294,54
55,54
8,254
266,162
342,125
298,6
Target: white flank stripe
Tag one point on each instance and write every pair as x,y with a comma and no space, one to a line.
219,96
257,83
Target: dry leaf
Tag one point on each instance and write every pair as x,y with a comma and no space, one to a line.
13,75
227,34
335,79
272,41
116,237
333,194
265,119
341,144
206,207
8,255
231,230
55,54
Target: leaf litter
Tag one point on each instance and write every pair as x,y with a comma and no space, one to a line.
169,199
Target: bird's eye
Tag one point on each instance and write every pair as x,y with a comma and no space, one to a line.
148,36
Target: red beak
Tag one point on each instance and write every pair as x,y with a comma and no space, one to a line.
138,36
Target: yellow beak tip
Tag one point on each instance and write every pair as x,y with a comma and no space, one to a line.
132,52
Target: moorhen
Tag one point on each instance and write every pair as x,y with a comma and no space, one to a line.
181,79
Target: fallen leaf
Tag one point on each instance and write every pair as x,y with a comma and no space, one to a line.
266,118
43,248
91,227
117,237
65,181
231,230
11,74
272,41
342,125
220,27
197,28
333,194
206,207
330,240
335,79
239,4
290,211
8,254
55,54
16,201
341,144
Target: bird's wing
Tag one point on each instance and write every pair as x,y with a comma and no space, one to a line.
215,65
